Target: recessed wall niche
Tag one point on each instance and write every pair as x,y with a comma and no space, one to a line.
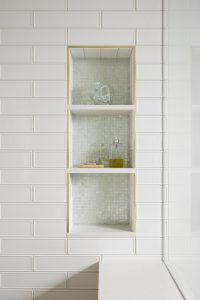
101,107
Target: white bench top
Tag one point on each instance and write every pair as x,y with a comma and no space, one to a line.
136,280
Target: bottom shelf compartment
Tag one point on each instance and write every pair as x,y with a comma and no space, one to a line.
101,204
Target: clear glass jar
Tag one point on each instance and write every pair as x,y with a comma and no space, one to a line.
103,155
116,157
102,94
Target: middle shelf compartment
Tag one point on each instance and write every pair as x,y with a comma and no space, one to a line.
90,129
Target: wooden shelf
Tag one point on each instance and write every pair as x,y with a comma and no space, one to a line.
101,109
101,170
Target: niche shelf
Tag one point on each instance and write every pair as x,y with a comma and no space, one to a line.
101,170
100,200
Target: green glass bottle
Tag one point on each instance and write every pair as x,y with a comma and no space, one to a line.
116,154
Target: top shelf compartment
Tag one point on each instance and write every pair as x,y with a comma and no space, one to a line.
95,71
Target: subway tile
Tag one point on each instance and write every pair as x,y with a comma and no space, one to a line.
50,159
32,5
69,295
67,19
50,89
15,54
148,72
33,246
149,211
50,228
33,141
149,124
149,37
52,54
148,54
149,159
178,54
15,19
33,280
32,176
101,36
33,211
50,194
149,5
184,19
15,89
127,258
148,141
148,193
66,263
15,295
16,263
101,5
33,36
145,176
15,193
148,246
132,19
16,124
100,246
149,107
33,106
146,228
50,124
179,37
83,280
33,72
145,89
16,228
15,159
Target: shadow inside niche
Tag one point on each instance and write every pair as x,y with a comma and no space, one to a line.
80,285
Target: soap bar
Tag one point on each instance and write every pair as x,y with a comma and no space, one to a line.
91,166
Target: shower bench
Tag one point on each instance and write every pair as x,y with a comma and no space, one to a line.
136,280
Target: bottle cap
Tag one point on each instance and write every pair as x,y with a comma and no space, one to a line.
116,140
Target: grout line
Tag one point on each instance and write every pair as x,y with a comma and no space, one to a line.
67,246
33,54
33,263
135,248
33,224
67,280
32,159
66,40
32,294
101,19
134,243
33,194
67,5
136,5
32,19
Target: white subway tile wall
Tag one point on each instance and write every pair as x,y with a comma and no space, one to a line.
38,260
83,280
